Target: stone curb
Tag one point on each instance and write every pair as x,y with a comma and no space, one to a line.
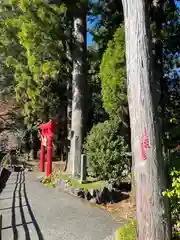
97,196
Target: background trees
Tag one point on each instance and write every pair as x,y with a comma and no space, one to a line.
38,50
32,47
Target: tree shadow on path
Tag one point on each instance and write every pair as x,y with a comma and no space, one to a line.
4,176
20,189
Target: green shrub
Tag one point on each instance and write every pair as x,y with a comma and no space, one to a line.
113,75
106,152
173,193
127,232
113,82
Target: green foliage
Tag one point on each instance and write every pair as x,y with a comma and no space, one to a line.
96,111
127,232
113,76
6,82
170,34
106,152
173,193
32,46
105,17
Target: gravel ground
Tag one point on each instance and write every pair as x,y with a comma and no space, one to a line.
32,211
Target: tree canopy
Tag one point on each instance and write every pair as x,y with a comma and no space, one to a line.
32,46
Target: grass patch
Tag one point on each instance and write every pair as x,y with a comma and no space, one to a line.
93,185
75,183
127,232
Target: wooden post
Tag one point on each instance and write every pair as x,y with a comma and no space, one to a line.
47,132
49,157
42,153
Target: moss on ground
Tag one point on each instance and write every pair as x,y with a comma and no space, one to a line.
127,232
75,183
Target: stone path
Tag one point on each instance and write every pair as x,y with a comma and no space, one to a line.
32,211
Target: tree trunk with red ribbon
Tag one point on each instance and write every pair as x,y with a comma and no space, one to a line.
152,208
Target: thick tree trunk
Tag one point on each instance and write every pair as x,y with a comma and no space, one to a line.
69,114
152,208
157,17
78,90
69,89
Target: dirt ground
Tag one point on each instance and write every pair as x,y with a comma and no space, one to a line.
35,165
126,209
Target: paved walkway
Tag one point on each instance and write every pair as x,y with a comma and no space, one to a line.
32,211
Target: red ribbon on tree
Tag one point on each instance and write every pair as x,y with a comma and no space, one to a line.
144,145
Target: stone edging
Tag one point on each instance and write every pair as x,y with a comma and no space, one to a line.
97,196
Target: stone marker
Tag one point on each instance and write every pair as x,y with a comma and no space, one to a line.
83,168
76,157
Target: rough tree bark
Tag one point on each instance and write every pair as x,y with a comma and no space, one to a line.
78,89
152,208
69,87
157,18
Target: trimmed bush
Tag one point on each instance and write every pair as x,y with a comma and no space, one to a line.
106,152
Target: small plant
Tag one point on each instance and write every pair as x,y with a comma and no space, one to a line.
127,232
52,179
106,152
48,181
174,195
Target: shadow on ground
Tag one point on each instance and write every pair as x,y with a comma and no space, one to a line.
4,176
20,190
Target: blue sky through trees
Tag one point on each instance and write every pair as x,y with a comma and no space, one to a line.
89,25
89,36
